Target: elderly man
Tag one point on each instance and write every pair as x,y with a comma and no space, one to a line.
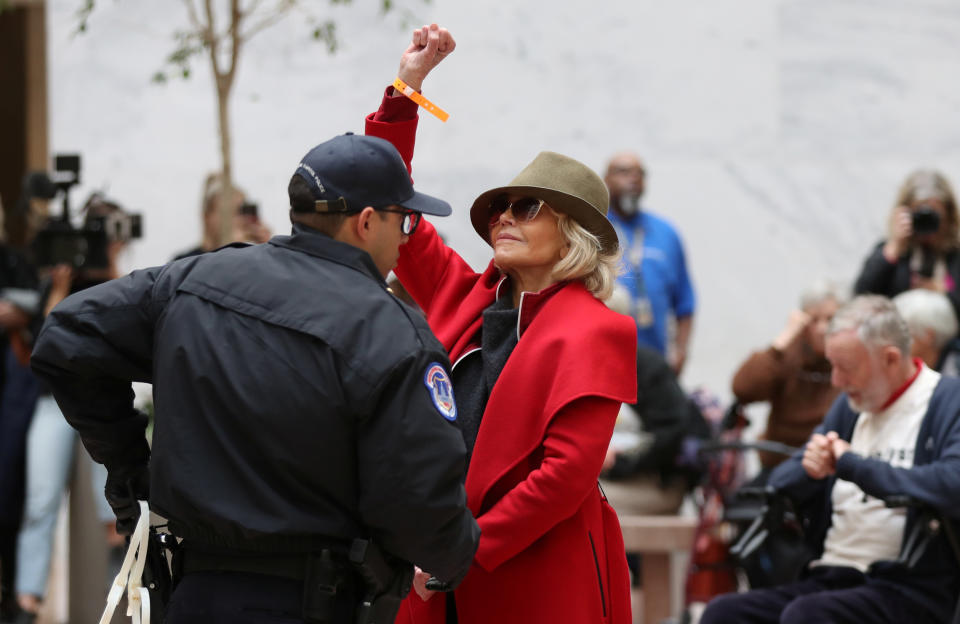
655,268
894,431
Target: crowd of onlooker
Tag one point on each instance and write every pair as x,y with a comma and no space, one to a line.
37,446
648,469
838,342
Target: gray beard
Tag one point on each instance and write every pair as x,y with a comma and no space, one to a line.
628,205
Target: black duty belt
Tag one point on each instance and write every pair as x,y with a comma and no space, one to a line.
290,566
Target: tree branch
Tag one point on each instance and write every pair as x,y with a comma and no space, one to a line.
254,6
194,17
213,42
236,17
278,13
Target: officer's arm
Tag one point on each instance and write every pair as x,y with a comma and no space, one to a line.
90,348
411,467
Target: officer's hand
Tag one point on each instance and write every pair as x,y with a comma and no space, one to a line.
420,579
430,45
125,486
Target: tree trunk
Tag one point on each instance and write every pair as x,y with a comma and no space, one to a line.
225,204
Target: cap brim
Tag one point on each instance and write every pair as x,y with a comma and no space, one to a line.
427,205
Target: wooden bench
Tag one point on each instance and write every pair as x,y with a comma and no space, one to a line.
656,538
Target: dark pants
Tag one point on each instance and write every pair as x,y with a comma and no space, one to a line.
17,401
244,598
827,596
235,598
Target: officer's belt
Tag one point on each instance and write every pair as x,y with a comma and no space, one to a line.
290,566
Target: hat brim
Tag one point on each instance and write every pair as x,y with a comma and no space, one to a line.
580,210
427,204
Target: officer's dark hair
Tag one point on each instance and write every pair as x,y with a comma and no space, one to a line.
302,209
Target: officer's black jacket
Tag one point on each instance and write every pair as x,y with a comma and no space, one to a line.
289,394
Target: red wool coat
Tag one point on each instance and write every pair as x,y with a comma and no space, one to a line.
550,547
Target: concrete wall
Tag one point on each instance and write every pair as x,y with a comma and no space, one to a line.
776,132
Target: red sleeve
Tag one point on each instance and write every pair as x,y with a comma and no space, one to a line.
395,121
425,261
575,443
426,264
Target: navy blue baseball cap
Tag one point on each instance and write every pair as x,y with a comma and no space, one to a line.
350,172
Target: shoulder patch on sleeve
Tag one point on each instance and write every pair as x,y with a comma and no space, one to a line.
441,390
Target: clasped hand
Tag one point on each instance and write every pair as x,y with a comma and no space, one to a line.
821,454
430,45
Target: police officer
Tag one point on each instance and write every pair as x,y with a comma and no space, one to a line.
304,415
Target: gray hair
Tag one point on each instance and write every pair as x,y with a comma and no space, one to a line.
928,310
876,321
820,291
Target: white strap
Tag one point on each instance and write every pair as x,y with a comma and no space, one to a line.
131,575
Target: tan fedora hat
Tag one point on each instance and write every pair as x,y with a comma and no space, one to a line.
567,185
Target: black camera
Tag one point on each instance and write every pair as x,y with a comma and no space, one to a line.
926,220
59,242
249,209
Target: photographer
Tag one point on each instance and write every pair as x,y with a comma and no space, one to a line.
50,439
18,305
246,227
921,250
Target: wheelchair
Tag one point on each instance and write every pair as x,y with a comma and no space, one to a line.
771,550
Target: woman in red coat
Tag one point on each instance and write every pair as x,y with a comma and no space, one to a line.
540,369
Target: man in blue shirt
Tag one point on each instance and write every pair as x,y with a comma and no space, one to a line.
655,268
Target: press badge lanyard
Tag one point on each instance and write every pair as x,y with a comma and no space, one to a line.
642,310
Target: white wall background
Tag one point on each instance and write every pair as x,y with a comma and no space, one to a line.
775,132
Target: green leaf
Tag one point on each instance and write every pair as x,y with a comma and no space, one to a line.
82,15
159,78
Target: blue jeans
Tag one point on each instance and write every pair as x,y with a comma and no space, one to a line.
50,447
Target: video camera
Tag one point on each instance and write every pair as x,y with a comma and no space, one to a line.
59,241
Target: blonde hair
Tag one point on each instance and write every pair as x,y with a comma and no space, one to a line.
930,184
584,260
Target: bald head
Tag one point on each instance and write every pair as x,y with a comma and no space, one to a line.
625,177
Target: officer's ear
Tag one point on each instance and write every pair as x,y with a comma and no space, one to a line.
363,225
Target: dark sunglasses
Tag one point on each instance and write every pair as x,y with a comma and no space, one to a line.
524,209
411,219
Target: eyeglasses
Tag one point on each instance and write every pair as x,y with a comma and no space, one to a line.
411,219
524,209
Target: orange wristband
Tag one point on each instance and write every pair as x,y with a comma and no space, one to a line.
432,108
